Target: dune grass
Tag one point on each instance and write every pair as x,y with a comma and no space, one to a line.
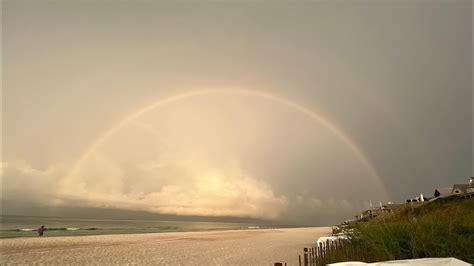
443,228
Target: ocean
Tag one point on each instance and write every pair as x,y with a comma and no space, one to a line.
24,226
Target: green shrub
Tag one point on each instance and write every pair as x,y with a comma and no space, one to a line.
444,228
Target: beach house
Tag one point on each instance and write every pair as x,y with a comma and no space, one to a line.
419,198
460,189
471,185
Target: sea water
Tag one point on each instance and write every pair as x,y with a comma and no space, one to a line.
25,226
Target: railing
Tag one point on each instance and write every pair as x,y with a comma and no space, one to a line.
331,252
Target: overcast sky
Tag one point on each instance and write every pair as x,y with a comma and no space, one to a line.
355,102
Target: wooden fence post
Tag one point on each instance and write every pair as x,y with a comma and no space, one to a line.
309,256
305,256
320,253
299,259
328,254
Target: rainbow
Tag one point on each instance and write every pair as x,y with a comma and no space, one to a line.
316,117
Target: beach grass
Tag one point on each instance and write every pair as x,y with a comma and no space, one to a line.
443,228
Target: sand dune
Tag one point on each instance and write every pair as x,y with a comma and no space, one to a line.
240,247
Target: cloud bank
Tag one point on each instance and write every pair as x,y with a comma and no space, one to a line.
196,191
228,192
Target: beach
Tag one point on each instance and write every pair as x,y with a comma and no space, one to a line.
231,247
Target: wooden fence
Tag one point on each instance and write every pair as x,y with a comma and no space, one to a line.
332,251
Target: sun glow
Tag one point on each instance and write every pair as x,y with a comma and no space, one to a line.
202,193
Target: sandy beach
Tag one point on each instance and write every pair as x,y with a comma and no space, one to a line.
236,247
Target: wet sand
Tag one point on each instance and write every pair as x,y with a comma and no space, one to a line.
237,247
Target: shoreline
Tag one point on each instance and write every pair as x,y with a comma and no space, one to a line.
247,246
46,235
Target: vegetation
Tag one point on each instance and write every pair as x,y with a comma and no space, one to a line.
443,228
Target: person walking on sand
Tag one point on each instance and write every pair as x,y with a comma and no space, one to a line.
41,230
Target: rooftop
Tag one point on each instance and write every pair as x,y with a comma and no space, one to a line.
462,187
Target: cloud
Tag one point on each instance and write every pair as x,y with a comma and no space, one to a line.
169,184
213,194
165,185
24,185
307,208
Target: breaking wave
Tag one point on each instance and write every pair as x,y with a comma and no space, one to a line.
49,229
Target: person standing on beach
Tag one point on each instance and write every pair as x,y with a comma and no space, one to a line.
41,230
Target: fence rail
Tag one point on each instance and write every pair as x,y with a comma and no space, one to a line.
331,252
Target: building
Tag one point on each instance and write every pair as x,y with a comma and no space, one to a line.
460,189
471,185
366,214
420,198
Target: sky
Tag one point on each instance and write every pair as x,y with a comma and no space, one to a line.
295,113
